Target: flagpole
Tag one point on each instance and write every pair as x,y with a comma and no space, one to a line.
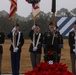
54,18
53,14
34,21
53,11
14,26
15,19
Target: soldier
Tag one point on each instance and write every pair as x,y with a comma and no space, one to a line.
72,44
60,45
51,39
2,38
17,42
36,45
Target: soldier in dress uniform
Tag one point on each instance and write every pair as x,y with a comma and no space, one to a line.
51,39
15,48
72,44
36,46
2,39
60,45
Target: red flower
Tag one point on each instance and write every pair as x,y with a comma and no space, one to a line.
50,52
50,69
51,55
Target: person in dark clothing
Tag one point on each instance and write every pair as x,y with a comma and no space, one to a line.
72,44
36,46
15,48
2,39
51,39
60,45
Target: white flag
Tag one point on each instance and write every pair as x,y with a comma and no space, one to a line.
35,10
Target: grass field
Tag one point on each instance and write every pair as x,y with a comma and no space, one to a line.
25,58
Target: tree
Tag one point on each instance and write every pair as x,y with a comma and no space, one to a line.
63,12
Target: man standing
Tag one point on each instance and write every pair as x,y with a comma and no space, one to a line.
72,44
36,45
51,39
60,45
2,38
17,42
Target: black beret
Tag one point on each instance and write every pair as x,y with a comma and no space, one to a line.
51,23
56,27
17,24
37,25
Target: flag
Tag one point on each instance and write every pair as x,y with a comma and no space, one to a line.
35,10
13,8
53,6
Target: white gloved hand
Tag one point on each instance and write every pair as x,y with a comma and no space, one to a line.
75,37
74,50
16,49
14,29
35,49
33,27
50,61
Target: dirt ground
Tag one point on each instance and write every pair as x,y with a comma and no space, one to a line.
25,58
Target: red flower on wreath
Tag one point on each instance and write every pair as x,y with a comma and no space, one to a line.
50,55
50,69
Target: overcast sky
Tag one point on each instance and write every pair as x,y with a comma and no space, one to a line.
24,8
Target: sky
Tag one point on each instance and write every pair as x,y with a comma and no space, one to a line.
24,9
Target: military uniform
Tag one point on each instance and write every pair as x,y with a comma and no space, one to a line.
60,46
51,40
35,55
2,38
71,41
15,55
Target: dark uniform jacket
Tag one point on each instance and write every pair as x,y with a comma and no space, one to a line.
60,44
61,39
39,50
71,41
2,39
49,42
21,41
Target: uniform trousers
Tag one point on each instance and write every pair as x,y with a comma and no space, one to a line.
35,59
59,55
73,63
15,62
0,63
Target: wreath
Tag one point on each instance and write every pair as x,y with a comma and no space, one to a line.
50,69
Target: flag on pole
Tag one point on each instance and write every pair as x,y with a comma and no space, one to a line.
53,6
35,10
13,8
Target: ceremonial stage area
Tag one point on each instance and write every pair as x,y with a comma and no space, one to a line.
25,58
